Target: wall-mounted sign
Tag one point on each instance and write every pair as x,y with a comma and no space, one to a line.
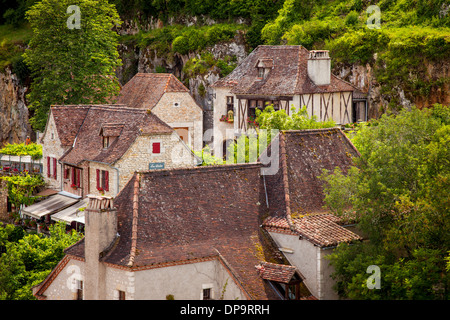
155,165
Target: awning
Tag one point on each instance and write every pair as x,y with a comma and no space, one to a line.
72,214
22,159
50,205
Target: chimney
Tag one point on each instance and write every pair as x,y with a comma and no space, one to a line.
319,67
100,234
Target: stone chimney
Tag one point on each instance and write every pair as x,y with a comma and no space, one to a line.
100,234
319,67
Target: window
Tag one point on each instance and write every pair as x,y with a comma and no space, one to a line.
52,170
105,142
102,180
230,103
207,294
121,295
156,147
76,177
261,73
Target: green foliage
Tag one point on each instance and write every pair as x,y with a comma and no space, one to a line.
71,66
248,148
181,39
207,157
21,188
298,120
398,194
21,149
200,66
28,260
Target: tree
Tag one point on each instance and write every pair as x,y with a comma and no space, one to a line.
71,63
249,147
21,188
29,260
398,194
33,257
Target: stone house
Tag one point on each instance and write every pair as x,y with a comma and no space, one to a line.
298,222
170,100
96,149
184,233
191,233
286,77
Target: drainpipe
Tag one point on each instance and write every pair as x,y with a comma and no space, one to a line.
319,274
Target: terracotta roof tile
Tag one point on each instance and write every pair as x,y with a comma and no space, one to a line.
145,90
320,229
181,215
108,119
68,122
276,272
288,74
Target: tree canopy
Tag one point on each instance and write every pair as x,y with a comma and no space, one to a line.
398,193
70,63
27,259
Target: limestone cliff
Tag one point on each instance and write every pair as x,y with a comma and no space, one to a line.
14,124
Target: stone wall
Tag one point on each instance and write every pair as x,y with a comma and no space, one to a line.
185,114
51,147
174,154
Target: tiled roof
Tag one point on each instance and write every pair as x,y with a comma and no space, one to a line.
145,90
183,215
127,122
288,74
276,272
303,154
322,229
68,121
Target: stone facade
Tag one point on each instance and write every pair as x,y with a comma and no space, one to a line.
184,282
51,147
179,110
174,154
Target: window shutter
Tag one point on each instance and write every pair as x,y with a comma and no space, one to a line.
106,186
156,147
48,167
78,177
55,170
65,173
73,176
98,178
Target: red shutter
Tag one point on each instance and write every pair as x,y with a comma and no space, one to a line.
106,186
78,171
55,171
49,174
156,147
73,176
65,173
98,179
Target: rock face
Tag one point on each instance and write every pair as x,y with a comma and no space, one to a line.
14,124
363,77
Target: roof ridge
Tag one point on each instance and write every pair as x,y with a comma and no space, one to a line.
134,225
201,169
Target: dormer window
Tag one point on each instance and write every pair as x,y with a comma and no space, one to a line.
264,66
105,142
261,73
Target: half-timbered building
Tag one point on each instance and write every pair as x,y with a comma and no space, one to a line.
286,77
